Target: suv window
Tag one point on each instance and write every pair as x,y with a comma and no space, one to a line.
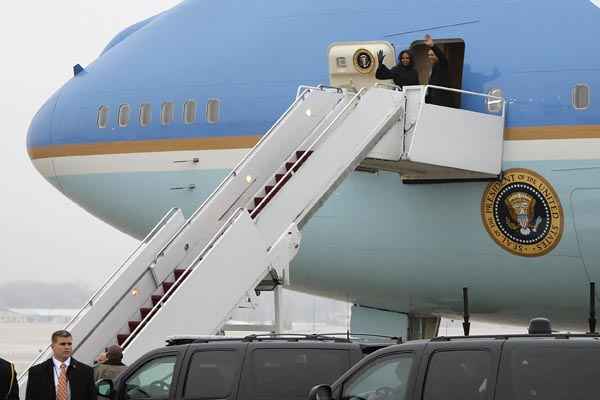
152,380
458,375
211,375
385,379
275,374
549,373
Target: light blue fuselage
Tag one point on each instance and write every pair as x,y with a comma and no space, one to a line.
376,241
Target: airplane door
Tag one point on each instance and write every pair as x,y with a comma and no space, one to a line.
586,211
352,65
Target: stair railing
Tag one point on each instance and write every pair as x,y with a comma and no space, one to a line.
90,303
182,277
288,174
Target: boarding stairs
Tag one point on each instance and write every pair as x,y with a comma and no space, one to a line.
188,276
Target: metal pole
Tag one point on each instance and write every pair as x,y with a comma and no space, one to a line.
466,323
278,299
592,320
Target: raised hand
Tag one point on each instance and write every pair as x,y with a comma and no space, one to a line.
428,40
380,57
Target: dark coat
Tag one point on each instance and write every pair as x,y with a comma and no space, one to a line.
402,76
9,388
440,76
40,385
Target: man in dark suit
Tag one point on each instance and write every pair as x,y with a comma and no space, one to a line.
61,377
9,388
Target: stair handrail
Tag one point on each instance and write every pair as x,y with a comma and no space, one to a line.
301,159
486,95
183,276
233,173
116,271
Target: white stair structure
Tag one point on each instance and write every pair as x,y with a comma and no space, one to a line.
442,143
187,276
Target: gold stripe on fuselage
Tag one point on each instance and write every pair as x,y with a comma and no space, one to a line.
550,132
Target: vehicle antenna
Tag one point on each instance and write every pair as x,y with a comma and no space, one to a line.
592,319
466,324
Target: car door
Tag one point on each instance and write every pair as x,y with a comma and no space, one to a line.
459,370
211,371
152,377
382,376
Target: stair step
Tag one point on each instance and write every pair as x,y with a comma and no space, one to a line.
268,189
257,200
289,165
178,273
167,285
300,153
121,339
156,299
278,177
144,311
133,325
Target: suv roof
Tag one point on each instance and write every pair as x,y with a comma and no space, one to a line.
517,336
332,337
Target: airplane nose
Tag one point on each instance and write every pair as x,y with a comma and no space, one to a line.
39,138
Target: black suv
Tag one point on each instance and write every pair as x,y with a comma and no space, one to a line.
255,367
510,367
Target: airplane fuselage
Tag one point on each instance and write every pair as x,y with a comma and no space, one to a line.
376,241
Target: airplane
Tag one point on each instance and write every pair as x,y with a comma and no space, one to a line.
175,101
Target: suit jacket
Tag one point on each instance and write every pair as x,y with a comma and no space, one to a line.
40,384
9,387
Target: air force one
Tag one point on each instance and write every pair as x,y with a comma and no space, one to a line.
500,194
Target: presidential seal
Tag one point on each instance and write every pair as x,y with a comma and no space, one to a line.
522,213
363,61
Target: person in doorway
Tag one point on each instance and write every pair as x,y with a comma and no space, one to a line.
9,388
61,377
440,75
112,366
403,74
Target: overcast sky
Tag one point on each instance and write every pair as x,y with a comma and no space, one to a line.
43,235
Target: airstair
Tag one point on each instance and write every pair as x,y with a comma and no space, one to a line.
188,276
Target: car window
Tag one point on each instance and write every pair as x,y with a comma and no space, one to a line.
385,379
277,374
546,373
211,375
458,375
152,380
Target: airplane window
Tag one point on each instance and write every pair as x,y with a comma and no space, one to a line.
581,96
102,117
166,113
145,114
124,111
189,112
213,111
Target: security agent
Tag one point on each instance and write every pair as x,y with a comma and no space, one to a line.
61,377
9,388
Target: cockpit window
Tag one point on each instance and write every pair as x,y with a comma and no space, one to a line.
166,113
213,111
103,117
145,115
124,111
189,112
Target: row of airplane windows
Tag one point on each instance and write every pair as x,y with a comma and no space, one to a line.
167,113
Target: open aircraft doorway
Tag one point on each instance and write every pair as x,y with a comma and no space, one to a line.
454,49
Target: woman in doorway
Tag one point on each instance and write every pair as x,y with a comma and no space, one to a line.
403,74
440,75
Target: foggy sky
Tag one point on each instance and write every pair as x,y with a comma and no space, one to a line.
43,235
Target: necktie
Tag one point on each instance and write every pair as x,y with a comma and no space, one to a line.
61,389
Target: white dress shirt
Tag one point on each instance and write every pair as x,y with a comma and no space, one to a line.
56,369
